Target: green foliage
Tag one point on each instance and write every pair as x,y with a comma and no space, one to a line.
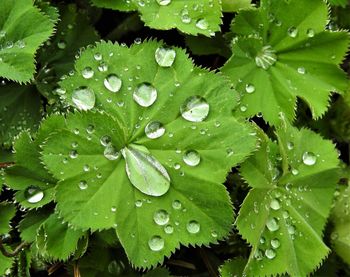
281,53
23,28
123,154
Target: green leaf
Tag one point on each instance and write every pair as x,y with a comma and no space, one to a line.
58,241
32,221
34,185
73,32
23,29
216,45
341,3
158,272
7,212
284,214
20,109
282,53
235,5
233,267
191,17
5,264
121,5
341,219
95,190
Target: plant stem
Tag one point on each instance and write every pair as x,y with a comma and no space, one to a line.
15,252
6,164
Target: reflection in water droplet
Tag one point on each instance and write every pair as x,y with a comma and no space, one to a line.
176,205
290,145
193,227
309,158
138,203
113,83
154,129
156,243
34,194
195,109
105,140
310,33
168,229
84,98
270,254
165,57
145,95
292,32
275,243
275,204
161,217
73,154
83,185
192,158
202,24
249,88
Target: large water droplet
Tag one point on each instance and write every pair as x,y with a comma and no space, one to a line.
193,227
87,72
309,158
84,98
272,224
161,217
144,171
154,130
156,243
145,95
163,2
111,153
33,194
192,158
202,24
270,254
165,57
266,57
113,83
195,109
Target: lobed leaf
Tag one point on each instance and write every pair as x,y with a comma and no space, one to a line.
97,190
284,214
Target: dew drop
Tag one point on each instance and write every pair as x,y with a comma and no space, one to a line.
33,194
310,33
83,185
111,153
295,171
292,32
156,243
168,229
145,94
154,129
105,140
176,205
195,109
161,217
290,145
113,83
275,204
275,243
138,203
163,2
202,24
309,158
291,229
165,57
301,70
61,44
73,154
193,227
249,88
191,158
270,254
84,98
87,73
272,224
98,56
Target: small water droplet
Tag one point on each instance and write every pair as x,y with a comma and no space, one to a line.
113,83
34,194
309,158
61,44
176,205
249,88
192,158
310,32
272,224
156,243
301,70
291,229
165,57
275,204
83,185
84,98
163,2
154,129
98,56
275,243
87,73
292,32
270,254
145,94
290,145
73,154
202,24
195,109
193,227
111,153
105,140
168,229
138,203
295,171
161,217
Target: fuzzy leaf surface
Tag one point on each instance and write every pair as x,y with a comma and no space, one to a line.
285,212
281,52
23,29
95,192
